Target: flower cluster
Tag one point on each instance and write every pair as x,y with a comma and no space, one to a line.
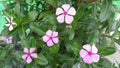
64,14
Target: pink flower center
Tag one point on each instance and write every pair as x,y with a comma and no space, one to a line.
65,13
10,23
89,53
51,38
28,54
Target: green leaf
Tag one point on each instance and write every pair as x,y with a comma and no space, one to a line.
17,9
2,54
36,28
71,34
52,2
41,60
2,22
55,48
106,10
32,42
24,43
32,15
117,41
107,50
80,13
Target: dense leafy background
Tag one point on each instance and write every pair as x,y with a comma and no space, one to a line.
94,21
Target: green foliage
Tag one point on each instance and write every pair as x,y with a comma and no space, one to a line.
93,22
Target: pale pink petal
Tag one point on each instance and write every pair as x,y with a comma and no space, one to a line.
28,60
45,38
14,23
55,40
34,55
60,18
94,49
24,56
32,50
55,34
11,18
72,11
7,24
7,18
88,59
59,11
95,57
9,40
87,47
10,28
50,43
83,53
49,33
65,6
68,19
25,50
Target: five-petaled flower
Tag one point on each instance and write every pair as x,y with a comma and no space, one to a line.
50,37
89,54
29,54
65,14
10,23
9,40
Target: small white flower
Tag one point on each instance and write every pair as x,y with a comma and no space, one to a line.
10,23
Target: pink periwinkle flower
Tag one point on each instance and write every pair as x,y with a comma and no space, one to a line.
10,23
50,37
28,54
9,40
65,14
89,54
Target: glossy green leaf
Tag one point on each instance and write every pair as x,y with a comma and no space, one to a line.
106,10
36,28
107,51
41,60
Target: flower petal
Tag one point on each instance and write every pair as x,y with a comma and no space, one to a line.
14,23
7,18
83,53
94,49
32,50
25,50
72,11
49,33
29,60
55,34
88,59
59,11
60,18
95,57
7,24
10,28
34,55
87,47
50,43
55,40
24,56
65,6
9,40
68,19
45,38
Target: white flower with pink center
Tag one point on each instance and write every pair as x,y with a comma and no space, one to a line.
89,54
10,23
28,54
65,14
50,37
9,40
